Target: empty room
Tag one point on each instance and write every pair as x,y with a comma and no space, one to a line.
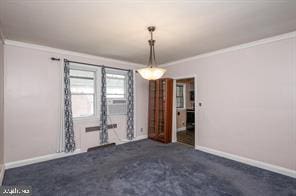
148,98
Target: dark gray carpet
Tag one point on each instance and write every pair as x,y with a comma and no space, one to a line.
148,168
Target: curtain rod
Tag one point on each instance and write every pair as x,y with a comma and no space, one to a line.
94,65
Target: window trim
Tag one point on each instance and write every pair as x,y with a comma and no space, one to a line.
184,96
96,84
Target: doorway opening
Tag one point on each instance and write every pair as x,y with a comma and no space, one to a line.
185,111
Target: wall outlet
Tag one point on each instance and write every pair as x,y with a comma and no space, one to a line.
141,129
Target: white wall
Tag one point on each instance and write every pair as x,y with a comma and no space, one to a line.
33,99
249,100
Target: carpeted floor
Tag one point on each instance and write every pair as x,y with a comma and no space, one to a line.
148,168
186,137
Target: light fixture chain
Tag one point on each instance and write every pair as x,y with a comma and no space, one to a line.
153,53
150,55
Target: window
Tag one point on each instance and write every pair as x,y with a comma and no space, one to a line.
180,95
83,92
116,86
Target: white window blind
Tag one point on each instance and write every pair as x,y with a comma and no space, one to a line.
83,92
116,86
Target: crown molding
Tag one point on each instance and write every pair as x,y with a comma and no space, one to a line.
84,55
66,52
233,48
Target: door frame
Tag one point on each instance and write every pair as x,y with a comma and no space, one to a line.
174,126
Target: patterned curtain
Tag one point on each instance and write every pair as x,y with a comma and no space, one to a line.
130,105
104,128
68,121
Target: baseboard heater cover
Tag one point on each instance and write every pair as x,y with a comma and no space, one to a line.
98,128
101,146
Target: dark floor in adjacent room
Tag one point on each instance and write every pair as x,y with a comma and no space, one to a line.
186,137
148,168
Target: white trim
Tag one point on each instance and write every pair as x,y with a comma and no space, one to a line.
174,121
181,129
196,107
48,157
66,52
39,159
135,101
252,162
234,48
2,171
140,137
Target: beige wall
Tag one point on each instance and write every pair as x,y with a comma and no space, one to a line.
33,104
1,103
248,98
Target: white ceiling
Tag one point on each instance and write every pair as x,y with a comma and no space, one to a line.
117,29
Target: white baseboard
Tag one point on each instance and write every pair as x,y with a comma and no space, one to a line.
39,159
181,129
140,137
252,162
2,171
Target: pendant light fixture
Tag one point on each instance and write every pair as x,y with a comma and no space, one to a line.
151,72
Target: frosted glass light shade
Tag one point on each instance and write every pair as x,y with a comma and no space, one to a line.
151,73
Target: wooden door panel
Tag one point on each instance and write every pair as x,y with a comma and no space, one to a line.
160,110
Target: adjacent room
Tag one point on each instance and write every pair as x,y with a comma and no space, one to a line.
185,111
124,98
